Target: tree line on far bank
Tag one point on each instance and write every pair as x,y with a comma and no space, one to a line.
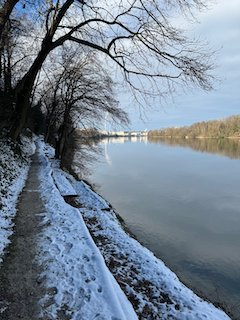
222,128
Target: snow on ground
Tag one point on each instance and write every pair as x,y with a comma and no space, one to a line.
14,165
79,285
77,274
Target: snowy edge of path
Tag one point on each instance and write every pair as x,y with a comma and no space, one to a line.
79,283
13,174
80,286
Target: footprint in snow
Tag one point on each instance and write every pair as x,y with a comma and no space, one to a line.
99,289
67,298
65,229
86,258
54,249
68,247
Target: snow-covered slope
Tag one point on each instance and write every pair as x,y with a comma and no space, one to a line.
82,285
14,165
75,267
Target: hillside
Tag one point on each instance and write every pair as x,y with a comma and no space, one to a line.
223,128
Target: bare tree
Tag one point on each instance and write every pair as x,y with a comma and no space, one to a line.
137,36
78,95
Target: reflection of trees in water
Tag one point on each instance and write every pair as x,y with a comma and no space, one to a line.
81,154
223,147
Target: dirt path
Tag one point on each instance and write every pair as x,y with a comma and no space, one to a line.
20,285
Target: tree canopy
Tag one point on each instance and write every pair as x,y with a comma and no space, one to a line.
139,38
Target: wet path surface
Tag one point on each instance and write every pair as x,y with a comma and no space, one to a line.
20,285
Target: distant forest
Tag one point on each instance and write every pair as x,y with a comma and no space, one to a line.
223,128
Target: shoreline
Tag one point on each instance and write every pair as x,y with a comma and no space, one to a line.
177,137
118,216
125,228
116,274
103,242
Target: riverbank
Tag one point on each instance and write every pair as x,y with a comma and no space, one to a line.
197,137
75,278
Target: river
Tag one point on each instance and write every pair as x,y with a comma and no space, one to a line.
181,198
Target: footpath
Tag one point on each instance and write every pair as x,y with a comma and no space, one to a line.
52,268
19,274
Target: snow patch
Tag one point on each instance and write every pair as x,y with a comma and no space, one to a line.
63,185
14,165
78,281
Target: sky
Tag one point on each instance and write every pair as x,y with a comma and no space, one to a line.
221,25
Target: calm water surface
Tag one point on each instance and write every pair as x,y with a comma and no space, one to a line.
181,198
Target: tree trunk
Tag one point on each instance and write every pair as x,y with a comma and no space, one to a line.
24,88
23,93
50,117
63,131
5,12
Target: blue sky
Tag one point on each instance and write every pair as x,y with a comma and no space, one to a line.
221,25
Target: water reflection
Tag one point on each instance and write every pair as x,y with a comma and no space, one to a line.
223,147
105,142
180,197
113,140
